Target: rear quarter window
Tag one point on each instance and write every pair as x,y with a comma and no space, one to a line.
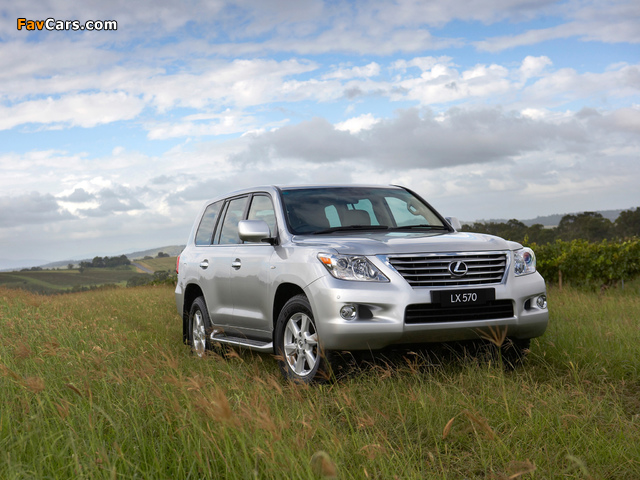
204,235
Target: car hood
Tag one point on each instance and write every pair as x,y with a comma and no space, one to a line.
377,243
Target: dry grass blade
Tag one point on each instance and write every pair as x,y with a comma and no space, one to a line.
447,428
7,372
323,466
480,423
22,350
216,407
496,335
521,468
35,384
74,388
373,450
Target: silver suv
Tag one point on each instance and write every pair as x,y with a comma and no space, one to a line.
306,270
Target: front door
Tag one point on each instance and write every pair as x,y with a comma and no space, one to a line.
251,274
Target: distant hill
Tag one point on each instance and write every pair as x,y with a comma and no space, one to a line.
8,264
171,250
554,220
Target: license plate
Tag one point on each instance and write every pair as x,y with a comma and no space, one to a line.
454,298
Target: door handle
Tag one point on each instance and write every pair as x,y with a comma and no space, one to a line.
236,263
204,264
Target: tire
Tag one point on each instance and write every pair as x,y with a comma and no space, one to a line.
199,327
297,345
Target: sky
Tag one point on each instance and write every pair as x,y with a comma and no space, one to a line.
112,139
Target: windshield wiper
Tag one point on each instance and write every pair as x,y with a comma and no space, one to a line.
346,228
430,227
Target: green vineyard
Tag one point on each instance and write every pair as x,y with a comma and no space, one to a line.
584,263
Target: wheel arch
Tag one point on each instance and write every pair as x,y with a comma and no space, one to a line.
191,292
284,292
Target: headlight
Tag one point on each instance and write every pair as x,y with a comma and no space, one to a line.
351,267
525,261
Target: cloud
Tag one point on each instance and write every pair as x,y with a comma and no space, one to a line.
79,195
565,85
113,201
534,66
134,20
370,70
315,140
356,124
210,96
421,139
441,83
609,22
34,208
224,123
83,110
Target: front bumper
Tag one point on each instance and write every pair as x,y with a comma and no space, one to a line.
381,313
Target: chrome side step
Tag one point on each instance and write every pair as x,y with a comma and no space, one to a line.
257,345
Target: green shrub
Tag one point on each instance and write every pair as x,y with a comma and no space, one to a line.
581,263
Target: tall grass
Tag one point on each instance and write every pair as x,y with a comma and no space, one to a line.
97,385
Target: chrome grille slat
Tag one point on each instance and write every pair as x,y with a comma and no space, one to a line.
432,274
431,270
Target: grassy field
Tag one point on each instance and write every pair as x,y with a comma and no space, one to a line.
97,385
64,280
159,264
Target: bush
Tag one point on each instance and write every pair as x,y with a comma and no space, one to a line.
583,263
138,280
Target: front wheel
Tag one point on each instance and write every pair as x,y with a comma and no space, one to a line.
300,356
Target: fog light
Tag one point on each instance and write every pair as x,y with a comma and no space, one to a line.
541,301
349,312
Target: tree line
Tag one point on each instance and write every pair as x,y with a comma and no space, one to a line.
106,262
589,226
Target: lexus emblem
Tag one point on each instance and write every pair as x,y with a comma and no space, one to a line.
458,269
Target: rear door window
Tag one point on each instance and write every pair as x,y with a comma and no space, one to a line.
233,214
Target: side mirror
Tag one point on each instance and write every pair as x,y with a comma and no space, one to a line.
254,231
454,222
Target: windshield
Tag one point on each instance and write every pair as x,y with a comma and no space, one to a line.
329,209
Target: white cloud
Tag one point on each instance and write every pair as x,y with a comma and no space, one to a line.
33,208
84,110
225,123
480,137
356,124
609,22
423,63
240,83
443,84
370,70
566,85
534,66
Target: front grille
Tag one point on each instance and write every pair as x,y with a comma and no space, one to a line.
434,313
432,270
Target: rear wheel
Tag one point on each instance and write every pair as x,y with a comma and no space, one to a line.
199,326
300,356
